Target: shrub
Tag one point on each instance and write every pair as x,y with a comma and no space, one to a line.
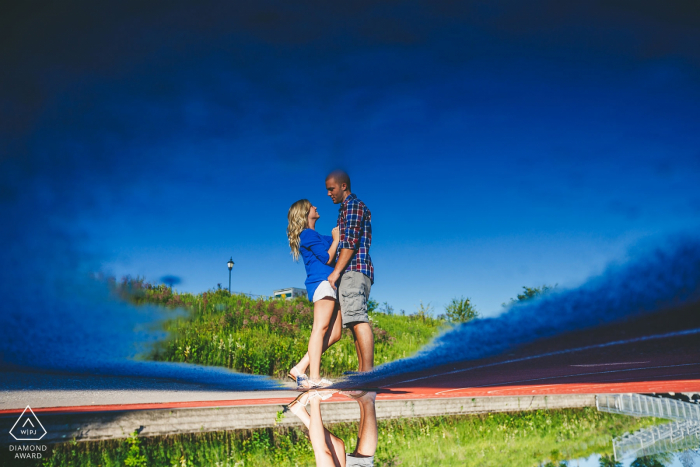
460,310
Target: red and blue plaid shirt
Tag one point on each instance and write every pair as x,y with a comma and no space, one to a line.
355,226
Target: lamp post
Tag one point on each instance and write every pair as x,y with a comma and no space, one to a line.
230,266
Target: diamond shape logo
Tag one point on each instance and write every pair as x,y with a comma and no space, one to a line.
28,427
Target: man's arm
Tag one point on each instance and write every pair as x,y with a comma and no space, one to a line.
335,238
343,259
349,239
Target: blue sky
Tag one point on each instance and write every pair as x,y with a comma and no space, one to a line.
496,146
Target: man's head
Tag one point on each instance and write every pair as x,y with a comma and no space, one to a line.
338,185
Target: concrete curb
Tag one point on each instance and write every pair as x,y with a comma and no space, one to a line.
92,426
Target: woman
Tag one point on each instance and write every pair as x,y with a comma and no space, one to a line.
329,450
318,252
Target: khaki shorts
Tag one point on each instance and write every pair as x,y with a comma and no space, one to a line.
353,294
352,461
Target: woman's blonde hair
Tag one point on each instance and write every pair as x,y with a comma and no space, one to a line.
298,217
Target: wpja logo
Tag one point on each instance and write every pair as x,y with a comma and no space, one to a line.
28,427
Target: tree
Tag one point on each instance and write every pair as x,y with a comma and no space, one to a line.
531,292
608,461
461,310
658,460
372,305
387,309
424,311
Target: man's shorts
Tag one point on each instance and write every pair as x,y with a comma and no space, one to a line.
353,294
352,461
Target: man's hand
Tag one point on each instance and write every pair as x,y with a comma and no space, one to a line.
344,258
333,278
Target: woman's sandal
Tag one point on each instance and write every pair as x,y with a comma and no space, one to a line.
299,400
320,384
301,379
323,394
291,376
296,401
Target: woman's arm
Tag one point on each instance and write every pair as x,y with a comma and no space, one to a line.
334,246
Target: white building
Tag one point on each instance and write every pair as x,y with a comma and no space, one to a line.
290,293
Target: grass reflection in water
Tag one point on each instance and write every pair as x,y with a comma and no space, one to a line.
515,439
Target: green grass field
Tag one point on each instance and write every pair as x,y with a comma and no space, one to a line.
266,337
524,439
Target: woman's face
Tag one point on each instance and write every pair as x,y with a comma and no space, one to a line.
313,213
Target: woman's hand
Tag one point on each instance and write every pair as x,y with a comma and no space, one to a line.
335,233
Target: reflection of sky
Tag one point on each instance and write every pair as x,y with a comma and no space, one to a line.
496,147
593,461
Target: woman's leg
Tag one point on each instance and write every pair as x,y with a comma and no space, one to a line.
335,328
327,445
323,313
328,449
333,335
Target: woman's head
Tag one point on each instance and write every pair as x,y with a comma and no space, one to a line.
298,217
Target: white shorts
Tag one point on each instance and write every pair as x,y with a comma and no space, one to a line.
324,290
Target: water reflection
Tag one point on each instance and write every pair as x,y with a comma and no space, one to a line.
329,450
584,437
653,445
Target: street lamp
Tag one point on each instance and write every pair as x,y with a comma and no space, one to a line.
230,266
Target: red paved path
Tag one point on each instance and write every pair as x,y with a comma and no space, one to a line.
409,393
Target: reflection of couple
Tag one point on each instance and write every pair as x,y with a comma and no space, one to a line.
329,450
339,275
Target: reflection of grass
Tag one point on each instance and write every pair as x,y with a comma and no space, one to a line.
514,439
265,337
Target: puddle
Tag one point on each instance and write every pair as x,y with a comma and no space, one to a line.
618,434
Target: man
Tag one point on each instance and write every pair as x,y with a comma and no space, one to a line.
353,266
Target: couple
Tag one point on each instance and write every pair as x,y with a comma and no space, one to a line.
329,450
339,276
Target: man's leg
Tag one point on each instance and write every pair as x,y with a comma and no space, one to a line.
361,424
353,293
364,345
367,435
358,349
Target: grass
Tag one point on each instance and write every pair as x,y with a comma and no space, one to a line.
265,337
524,439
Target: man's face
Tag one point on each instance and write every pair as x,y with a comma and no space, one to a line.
335,190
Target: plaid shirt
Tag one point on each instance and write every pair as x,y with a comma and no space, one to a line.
355,225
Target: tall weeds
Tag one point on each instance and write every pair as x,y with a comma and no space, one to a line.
264,336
